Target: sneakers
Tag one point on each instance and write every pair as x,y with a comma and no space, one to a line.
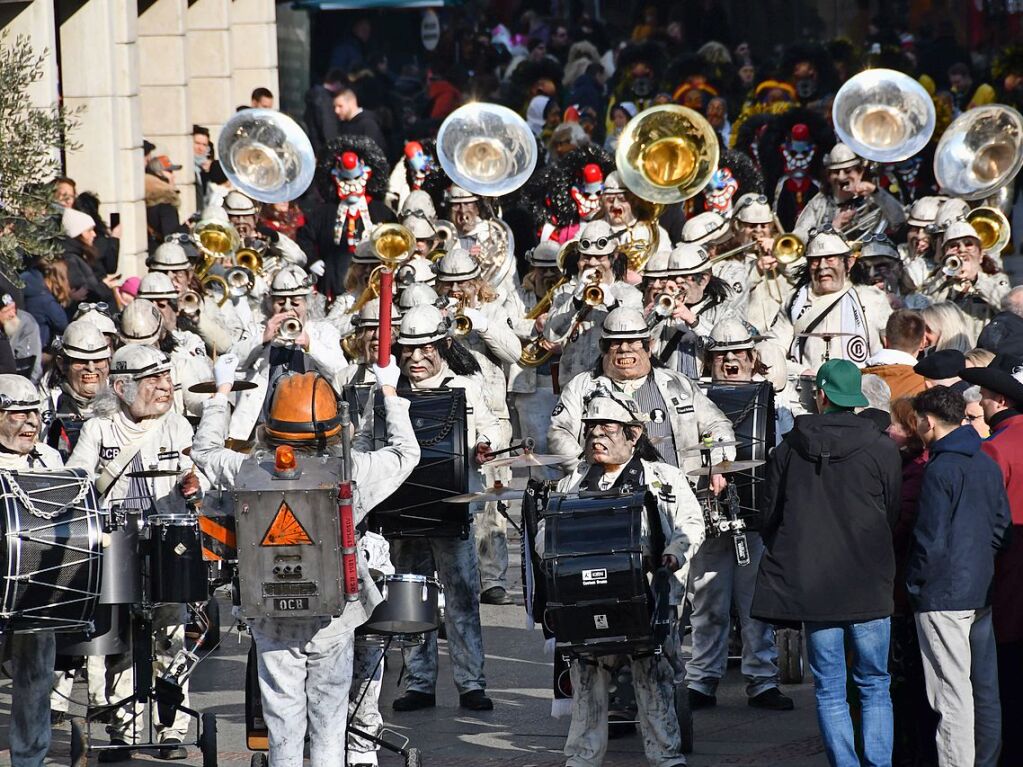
772,700
475,700
115,755
698,700
413,700
496,595
172,749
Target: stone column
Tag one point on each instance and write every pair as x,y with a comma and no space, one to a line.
99,70
209,54
253,49
36,22
163,85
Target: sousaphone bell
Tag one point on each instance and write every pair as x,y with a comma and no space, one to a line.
980,152
266,155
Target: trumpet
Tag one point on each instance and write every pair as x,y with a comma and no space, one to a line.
290,329
216,287
189,303
461,326
593,294
951,266
240,281
664,307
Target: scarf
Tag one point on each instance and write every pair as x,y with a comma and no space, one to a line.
808,315
139,495
346,225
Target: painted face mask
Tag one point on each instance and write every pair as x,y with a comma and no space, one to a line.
418,162
720,191
350,175
798,152
587,191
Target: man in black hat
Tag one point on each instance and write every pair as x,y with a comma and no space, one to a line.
1001,398
942,369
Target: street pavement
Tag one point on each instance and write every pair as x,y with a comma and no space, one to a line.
519,732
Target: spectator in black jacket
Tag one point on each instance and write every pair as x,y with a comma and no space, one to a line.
321,124
356,121
962,521
833,495
108,240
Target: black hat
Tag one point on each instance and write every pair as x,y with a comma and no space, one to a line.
1004,375
940,365
147,146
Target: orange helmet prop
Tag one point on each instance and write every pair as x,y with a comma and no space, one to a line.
304,410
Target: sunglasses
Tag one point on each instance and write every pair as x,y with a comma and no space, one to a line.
599,244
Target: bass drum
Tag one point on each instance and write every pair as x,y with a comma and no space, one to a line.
51,550
415,510
750,408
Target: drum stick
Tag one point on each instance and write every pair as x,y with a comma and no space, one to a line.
526,444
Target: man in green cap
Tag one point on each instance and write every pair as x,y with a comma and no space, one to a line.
832,499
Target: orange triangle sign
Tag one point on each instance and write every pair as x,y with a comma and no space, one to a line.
286,530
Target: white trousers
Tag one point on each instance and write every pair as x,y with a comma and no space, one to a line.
961,676
305,673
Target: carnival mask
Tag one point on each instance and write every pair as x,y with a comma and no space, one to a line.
798,152
720,191
586,195
419,163
350,175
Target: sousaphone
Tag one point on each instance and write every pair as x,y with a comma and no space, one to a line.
980,152
266,155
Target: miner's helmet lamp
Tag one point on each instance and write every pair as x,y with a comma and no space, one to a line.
303,411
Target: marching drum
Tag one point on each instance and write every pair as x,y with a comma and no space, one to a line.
596,565
412,605
177,571
415,509
51,555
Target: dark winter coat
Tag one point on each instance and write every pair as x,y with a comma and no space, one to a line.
40,303
961,523
833,495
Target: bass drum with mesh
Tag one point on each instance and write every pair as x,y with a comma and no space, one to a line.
51,553
415,510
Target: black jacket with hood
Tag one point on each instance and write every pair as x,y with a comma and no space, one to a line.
832,500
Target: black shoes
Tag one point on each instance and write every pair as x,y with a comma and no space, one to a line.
115,755
772,700
698,700
414,700
171,750
475,700
496,595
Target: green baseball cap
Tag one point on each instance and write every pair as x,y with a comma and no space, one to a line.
840,382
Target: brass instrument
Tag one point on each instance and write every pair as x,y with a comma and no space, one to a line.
189,303
733,252
593,294
240,281
250,254
216,287
348,347
393,244
638,251
980,152
787,249
950,266
533,354
663,308
216,240
992,227
266,155
290,329
883,115
447,235
667,154
371,291
461,325
486,148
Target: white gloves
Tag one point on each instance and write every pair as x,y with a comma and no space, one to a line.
318,269
224,369
387,376
480,322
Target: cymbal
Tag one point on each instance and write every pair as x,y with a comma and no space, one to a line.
210,387
154,473
526,459
826,334
725,467
498,492
703,448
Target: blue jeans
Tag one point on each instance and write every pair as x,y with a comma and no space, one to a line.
868,646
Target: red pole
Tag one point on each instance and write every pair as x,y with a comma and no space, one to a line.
349,552
384,333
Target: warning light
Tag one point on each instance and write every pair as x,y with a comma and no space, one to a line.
284,459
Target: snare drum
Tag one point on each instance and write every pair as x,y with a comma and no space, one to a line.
411,606
177,571
51,536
